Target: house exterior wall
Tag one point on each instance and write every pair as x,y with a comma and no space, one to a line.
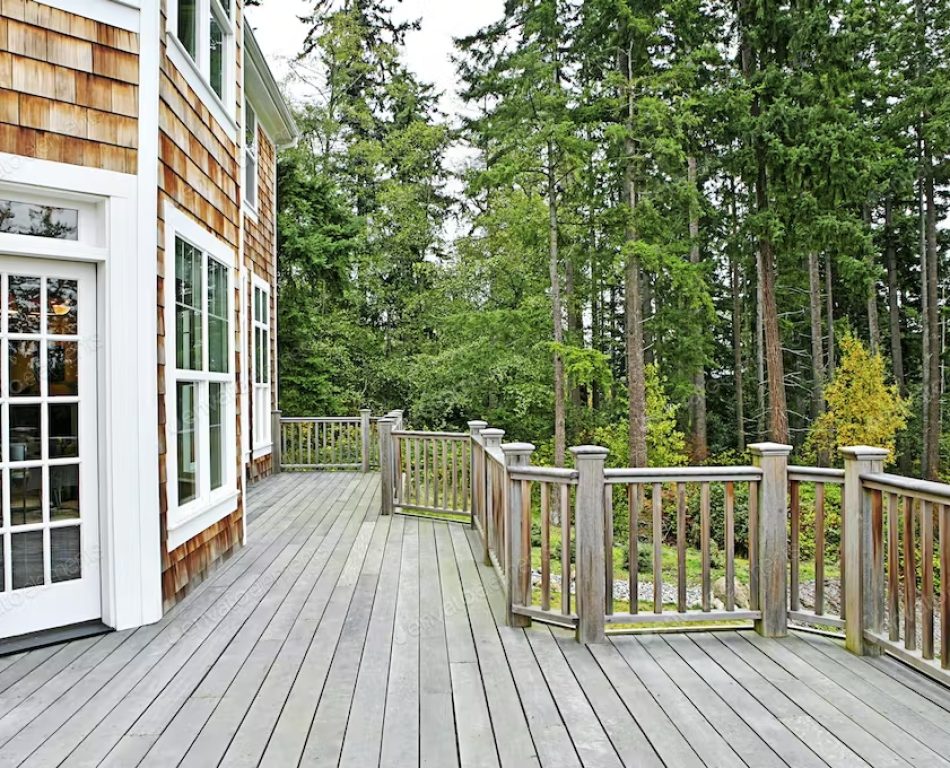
200,174
260,248
68,88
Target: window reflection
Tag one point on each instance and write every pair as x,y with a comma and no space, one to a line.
18,218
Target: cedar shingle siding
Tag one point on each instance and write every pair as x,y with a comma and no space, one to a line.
68,88
199,173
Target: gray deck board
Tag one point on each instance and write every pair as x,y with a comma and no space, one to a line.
337,637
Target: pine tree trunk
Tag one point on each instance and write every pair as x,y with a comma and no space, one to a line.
737,353
817,348
560,428
830,314
759,349
575,333
894,312
697,402
932,326
633,299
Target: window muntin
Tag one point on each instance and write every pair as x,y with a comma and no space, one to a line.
251,149
261,357
203,391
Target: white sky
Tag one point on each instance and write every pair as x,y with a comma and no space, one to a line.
428,51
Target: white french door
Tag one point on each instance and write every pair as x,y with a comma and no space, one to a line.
49,505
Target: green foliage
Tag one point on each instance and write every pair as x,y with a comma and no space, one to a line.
863,409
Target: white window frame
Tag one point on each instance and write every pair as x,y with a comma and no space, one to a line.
188,520
252,151
197,69
262,392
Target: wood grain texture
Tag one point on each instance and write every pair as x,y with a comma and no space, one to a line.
68,88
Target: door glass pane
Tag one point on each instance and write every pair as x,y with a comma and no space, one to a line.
26,496
217,56
63,430
188,26
24,368
64,492
62,297
217,317
188,305
23,303
63,370
65,554
215,410
257,355
19,218
3,570
187,448
26,442
265,357
27,559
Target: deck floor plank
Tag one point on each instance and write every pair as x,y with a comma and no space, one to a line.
340,637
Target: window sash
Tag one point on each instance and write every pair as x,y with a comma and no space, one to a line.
261,364
251,150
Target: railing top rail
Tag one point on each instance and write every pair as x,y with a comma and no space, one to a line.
439,435
496,455
320,419
816,475
645,475
544,474
926,490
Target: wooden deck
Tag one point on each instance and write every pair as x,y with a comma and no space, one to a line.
338,637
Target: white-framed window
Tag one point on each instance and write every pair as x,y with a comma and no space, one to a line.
202,46
200,393
251,156
261,368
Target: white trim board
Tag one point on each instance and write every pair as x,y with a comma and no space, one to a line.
123,14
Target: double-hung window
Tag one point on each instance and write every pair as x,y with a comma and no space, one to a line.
200,391
251,149
261,359
204,30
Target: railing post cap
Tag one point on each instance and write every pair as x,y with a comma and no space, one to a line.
277,412
366,410
770,449
490,433
477,426
515,449
589,452
864,452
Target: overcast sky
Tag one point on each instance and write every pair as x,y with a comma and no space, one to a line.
428,51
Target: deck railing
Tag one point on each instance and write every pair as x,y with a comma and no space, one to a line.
326,442
552,535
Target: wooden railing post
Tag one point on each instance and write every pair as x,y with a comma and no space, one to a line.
772,538
492,438
386,465
277,441
476,474
364,438
591,557
518,555
864,584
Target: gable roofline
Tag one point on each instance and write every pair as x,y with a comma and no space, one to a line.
264,94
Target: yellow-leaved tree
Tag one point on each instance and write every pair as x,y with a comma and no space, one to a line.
862,408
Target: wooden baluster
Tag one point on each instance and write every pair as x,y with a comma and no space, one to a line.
927,579
893,570
525,569
436,480
633,578
445,474
730,523
609,548
564,499
876,616
704,544
819,548
945,586
455,486
910,577
657,548
681,547
545,547
754,546
419,501
795,510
